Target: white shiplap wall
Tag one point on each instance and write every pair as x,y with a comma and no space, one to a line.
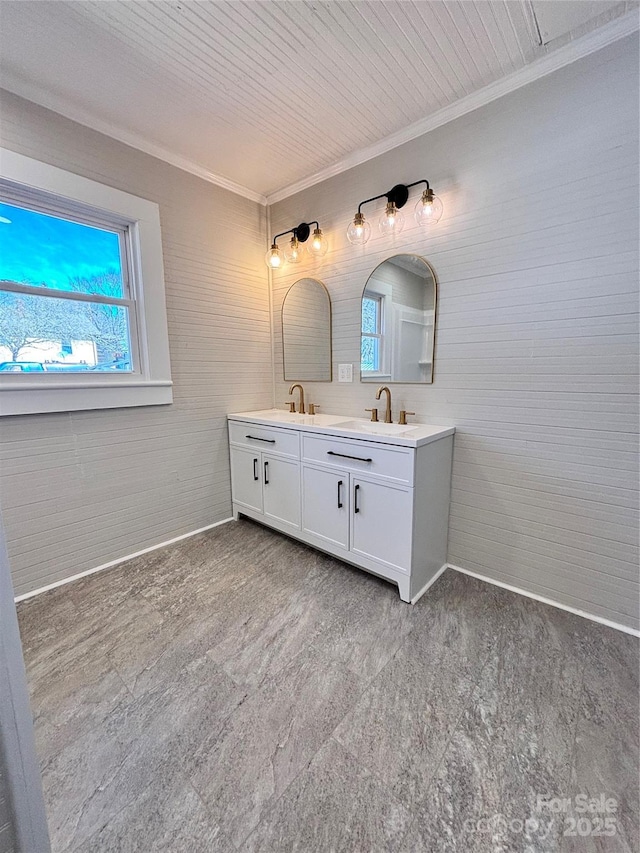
84,488
537,338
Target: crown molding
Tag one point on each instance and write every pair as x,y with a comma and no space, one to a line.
39,95
559,58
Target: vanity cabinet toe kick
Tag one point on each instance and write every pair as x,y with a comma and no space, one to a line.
378,506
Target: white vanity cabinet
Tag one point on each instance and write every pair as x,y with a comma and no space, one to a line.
369,504
382,523
325,505
265,472
380,502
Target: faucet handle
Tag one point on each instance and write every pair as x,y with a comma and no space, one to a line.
313,407
292,405
374,414
403,416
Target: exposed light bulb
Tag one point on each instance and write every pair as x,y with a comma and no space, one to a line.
359,230
318,245
293,252
428,209
392,220
274,258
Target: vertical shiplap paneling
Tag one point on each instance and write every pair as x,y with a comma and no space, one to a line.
84,488
537,339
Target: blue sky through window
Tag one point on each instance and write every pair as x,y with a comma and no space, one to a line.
39,249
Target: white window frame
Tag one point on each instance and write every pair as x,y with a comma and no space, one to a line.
379,335
382,294
149,383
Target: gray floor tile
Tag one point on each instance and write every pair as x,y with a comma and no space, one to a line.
168,816
401,726
97,775
84,636
334,806
367,622
243,769
258,645
45,622
607,749
72,700
514,742
464,613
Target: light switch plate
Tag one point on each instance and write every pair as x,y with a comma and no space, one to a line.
345,373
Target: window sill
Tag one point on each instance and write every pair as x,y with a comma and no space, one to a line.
375,377
27,398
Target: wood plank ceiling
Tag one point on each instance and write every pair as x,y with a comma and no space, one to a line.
261,93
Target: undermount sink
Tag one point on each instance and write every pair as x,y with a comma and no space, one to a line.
301,419
296,418
375,428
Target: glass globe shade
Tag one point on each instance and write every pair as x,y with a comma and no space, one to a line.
359,230
391,221
317,244
428,209
293,252
274,258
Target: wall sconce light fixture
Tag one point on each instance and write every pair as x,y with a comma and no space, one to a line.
428,208
428,211
275,257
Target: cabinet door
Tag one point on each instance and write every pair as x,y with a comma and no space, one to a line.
382,523
281,489
325,505
246,478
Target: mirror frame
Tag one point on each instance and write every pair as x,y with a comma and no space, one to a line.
284,358
435,323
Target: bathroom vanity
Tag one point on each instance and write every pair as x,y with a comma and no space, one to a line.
374,495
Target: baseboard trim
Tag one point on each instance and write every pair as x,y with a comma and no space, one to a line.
429,583
591,616
600,619
117,562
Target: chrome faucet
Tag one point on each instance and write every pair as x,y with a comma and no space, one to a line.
301,401
387,412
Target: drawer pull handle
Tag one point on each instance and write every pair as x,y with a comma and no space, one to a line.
255,470
266,473
346,456
255,438
339,494
356,508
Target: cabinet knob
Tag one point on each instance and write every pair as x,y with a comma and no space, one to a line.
403,416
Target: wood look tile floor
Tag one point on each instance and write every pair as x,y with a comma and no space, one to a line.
241,692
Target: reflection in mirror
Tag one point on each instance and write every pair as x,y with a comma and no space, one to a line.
306,332
398,321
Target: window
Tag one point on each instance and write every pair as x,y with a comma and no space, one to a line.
372,334
65,299
79,264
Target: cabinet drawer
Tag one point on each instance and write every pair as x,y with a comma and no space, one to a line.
280,441
365,457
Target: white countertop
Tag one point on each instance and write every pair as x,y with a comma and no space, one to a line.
411,435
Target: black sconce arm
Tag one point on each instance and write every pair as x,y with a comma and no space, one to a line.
300,232
397,195
421,181
373,198
290,231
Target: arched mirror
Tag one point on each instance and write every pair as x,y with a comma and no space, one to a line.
306,332
399,321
